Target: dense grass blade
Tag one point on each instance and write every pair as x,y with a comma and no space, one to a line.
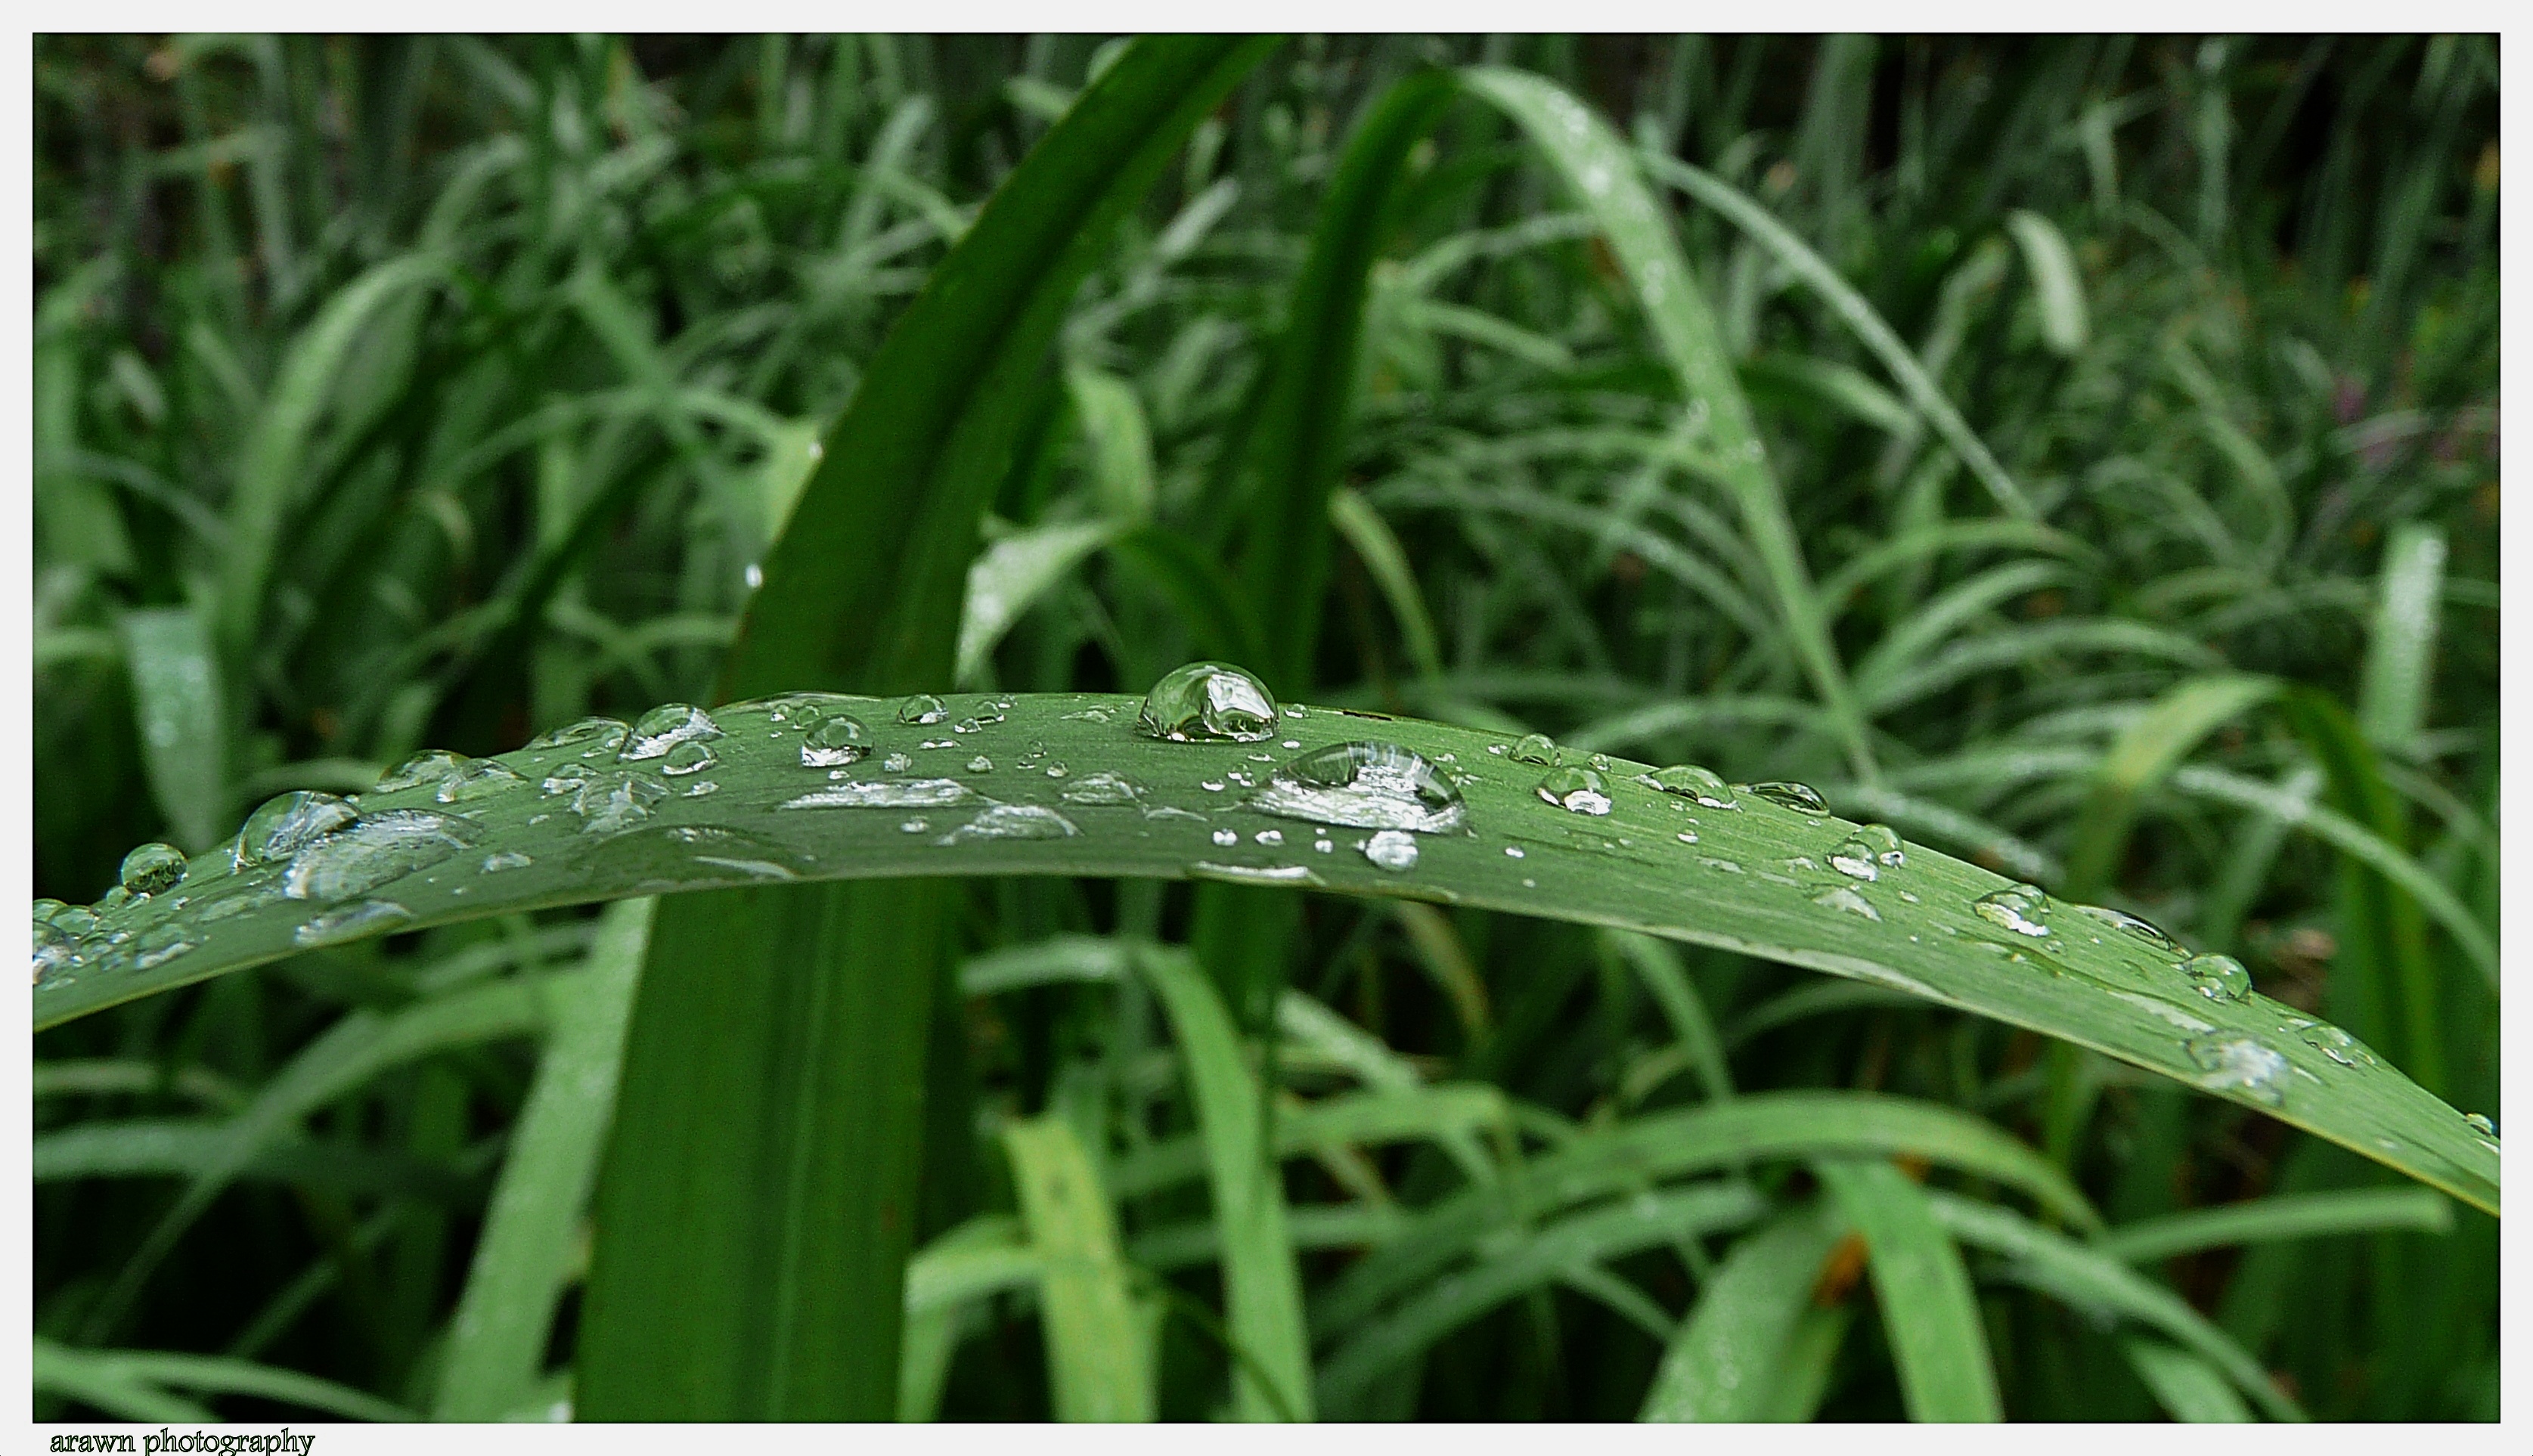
2187,1386
184,720
128,1383
1723,1363
1096,1360
2143,754
2401,645
1378,548
1010,575
495,1357
1928,1314
981,1257
2278,1216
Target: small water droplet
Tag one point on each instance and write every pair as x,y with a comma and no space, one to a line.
113,900
160,944
589,731
1803,799
702,789
506,860
913,826
1013,822
687,758
613,803
1515,852
798,710
1688,781
1254,874
1102,789
2016,908
1207,702
2138,927
967,725
373,850
1494,748
834,741
2218,977
1227,837
352,922
565,778
153,870
1575,789
663,728
1292,742
921,710
1687,836
285,824
898,763
1536,748
1211,785
1857,858
980,764
886,794
76,921
1057,770
1269,837
54,952
2481,1124
2230,1063
429,766
1086,715
1392,850
1849,899
1323,845
1728,866
1363,786
1600,763
940,743
475,777
2335,1043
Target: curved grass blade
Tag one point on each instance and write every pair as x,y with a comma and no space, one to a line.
2055,280
2278,1216
2143,754
984,1256
1600,168
1757,881
127,1383
1927,1312
183,720
1010,575
1096,1360
2187,1386
1723,1363
1376,546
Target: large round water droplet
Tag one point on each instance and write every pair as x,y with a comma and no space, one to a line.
1688,781
1579,789
1803,799
153,870
687,758
1363,786
352,922
429,766
285,824
923,708
1536,748
613,803
2136,928
606,732
2016,908
665,728
76,921
1013,822
1854,859
1208,702
2231,1063
1392,850
374,850
2218,977
475,777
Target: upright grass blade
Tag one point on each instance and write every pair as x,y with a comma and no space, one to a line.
1723,1363
1602,172
2085,981
2145,752
2186,1385
1376,546
184,720
1263,1288
2401,644
984,1256
1658,966
1097,1360
1927,1312
2055,283
494,1358
774,1214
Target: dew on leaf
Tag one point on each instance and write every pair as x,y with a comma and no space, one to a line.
663,728
1363,786
1392,850
898,763
475,777
588,730
1536,748
373,850
2335,1043
2016,908
286,823
506,860
1803,799
1013,822
2218,977
1688,781
1207,702
1578,791
153,870
2136,928
1849,899
1227,837
2481,1124
613,803
687,758
980,764
922,710
1101,789
352,922
834,741
886,794
2231,1063
429,766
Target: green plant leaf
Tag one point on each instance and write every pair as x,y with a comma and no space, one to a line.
1096,1360
2187,1386
2401,643
2278,1216
1725,1361
2055,281
184,720
128,1383
1927,1312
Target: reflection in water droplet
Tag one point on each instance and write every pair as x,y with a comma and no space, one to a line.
613,803
1363,786
1580,790
2218,977
1269,837
2481,1124
1515,852
2138,927
1013,822
2016,908
606,732
1688,781
834,741
687,758
1202,702
665,728
352,922
153,870
1227,837
1536,748
886,794
1803,799
285,824
1102,789
980,764
922,710
476,778
1392,850
2335,1043
1849,899
565,778
429,766
374,850
2230,1063
493,864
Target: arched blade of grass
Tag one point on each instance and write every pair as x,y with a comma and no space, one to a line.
1097,1362
984,1256
1724,1362
128,1384
1757,880
2186,1385
183,718
2144,755
2278,1216
1929,1315
1592,161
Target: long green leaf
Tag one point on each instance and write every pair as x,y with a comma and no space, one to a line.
2278,1216
1927,1311
184,720
1096,1360
1722,1363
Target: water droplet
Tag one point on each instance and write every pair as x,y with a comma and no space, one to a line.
1854,859
1803,799
914,826
922,710
663,728
2335,1043
1171,811
898,763
153,870
373,850
160,944
1086,715
2016,908
46,910
798,710
2230,1063
1687,836
2481,1124
1728,866
1269,837
1323,845
687,758
1536,748
1392,850
1580,790
610,803
1363,786
76,921
1101,789
1849,899
1254,874
1208,702
352,922
1211,785
980,764
1688,781
474,778
1227,837
834,741
2138,927
940,743
1057,770
1013,822
565,778
2218,977
967,725
113,900
506,860
1292,742
429,766
1515,852
886,794
606,732
1600,763
699,790
55,953
285,824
